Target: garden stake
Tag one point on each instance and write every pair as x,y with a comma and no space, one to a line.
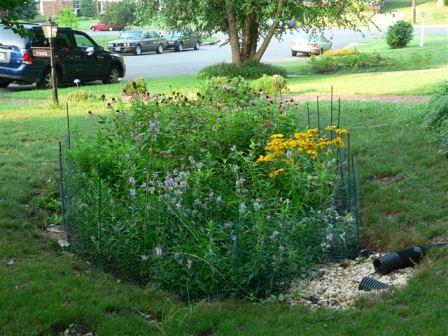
61,184
339,112
68,127
349,169
308,112
100,204
318,115
331,113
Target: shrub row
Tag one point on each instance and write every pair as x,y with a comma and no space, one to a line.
329,64
247,70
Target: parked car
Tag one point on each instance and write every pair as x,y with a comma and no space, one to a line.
138,41
106,27
77,57
181,40
310,44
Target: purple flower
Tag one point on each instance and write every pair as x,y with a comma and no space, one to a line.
158,251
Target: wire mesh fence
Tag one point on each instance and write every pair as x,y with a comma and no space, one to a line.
120,235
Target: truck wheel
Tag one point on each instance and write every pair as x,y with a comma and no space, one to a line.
294,53
4,83
112,75
197,45
46,81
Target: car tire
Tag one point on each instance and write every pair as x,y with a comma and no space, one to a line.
197,45
46,81
138,50
113,75
294,53
180,47
4,83
159,49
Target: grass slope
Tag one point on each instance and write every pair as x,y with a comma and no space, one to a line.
434,16
45,290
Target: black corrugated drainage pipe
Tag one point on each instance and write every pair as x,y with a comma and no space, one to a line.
399,259
368,284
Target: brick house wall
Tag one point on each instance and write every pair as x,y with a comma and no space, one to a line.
53,7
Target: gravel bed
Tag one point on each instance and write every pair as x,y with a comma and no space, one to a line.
335,285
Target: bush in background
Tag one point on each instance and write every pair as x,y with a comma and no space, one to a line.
248,70
66,18
120,14
358,61
400,34
88,8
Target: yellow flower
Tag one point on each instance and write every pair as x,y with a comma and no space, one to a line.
341,131
330,128
277,136
274,173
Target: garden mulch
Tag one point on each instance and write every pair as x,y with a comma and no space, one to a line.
382,99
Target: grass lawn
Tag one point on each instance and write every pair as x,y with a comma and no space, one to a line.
435,16
433,55
417,82
45,289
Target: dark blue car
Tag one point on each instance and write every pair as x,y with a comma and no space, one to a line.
77,57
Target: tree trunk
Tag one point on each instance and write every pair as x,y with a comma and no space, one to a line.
259,54
250,37
233,33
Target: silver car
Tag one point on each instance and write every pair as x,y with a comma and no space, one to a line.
308,44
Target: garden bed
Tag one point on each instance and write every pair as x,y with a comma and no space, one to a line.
227,194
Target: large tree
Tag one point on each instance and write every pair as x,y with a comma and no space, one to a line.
9,10
251,24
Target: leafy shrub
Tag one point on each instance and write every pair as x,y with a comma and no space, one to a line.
400,34
340,52
120,14
270,85
248,70
66,18
80,96
207,199
135,87
88,8
437,109
359,61
324,64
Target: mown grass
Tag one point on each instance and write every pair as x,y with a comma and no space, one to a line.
413,82
45,289
433,55
435,16
417,82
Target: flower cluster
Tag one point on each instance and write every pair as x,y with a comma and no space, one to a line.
307,144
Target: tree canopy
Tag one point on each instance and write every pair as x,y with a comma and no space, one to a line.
9,13
251,24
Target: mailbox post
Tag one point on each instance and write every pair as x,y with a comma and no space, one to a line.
50,31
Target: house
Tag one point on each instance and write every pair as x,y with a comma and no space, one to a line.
53,7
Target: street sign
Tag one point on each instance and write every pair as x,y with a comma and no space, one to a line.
41,52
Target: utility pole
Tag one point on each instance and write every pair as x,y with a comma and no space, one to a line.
414,11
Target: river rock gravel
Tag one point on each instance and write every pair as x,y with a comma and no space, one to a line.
335,285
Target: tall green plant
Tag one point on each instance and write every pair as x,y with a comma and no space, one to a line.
400,34
66,18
